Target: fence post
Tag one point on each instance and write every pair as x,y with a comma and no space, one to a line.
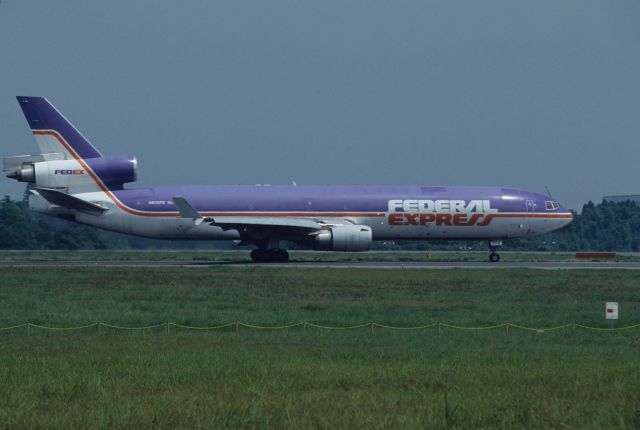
507,328
99,328
305,326
237,328
167,327
439,328
28,329
372,327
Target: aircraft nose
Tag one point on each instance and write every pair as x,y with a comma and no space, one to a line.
567,219
565,216
559,215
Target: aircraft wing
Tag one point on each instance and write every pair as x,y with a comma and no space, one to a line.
188,211
239,221
244,223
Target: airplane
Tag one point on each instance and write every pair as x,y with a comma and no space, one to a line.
71,179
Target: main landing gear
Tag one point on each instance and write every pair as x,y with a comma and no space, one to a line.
494,257
271,255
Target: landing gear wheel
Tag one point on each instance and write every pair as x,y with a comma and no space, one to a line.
259,255
494,257
269,256
279,255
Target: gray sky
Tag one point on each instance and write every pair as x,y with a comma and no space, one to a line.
513,93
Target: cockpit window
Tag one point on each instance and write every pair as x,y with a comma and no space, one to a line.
552,206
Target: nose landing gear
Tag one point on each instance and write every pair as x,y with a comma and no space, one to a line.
494,257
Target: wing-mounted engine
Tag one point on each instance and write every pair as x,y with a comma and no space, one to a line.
347,238
53,171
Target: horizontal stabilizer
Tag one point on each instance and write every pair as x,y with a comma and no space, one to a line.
68,201
11,164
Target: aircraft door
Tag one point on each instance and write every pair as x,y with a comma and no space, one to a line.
530,206
524,226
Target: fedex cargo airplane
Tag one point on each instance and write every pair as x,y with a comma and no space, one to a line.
71,179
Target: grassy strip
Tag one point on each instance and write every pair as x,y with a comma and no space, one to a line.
272,296
316,378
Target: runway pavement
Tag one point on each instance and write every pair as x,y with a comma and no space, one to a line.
324,264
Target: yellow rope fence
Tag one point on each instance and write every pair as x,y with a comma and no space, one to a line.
371,325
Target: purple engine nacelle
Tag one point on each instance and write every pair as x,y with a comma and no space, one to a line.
115,170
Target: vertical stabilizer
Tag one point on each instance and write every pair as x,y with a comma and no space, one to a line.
53,132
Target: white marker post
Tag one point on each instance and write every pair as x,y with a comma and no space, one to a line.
611,311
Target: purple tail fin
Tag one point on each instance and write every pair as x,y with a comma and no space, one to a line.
53,132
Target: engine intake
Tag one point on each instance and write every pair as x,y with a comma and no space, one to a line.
346,238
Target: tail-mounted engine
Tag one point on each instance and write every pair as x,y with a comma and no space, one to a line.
51,171
348,238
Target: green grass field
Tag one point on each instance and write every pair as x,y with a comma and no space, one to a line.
293,378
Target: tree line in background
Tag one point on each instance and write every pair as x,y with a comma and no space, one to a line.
21,228
606,226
